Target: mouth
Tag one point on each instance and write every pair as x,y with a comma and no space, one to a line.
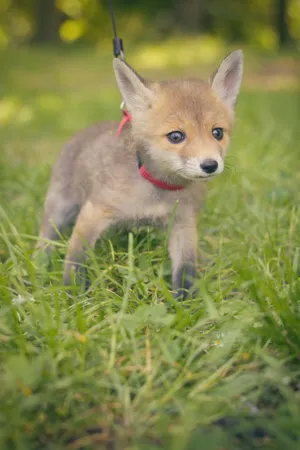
207,177
194,175
199,177
202,177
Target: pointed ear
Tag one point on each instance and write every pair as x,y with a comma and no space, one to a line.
135,93
226,80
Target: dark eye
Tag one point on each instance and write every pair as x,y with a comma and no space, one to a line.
218,133
176,136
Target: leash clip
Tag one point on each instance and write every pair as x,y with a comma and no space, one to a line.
118,48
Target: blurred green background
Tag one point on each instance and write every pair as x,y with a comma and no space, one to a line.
267,24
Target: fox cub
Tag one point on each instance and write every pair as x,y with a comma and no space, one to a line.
175,139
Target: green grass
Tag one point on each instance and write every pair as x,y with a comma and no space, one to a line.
126,367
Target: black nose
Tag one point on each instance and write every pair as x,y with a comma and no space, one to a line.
209,165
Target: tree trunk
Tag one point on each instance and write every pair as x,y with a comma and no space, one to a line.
48,20
282,23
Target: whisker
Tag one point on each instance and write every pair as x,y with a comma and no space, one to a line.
229,170
230,158
229,164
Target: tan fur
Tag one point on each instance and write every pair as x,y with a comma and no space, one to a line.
97,176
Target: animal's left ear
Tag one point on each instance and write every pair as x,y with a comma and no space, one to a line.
226,80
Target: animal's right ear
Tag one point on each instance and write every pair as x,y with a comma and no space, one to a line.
135,93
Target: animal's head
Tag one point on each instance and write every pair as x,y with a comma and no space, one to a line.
184,125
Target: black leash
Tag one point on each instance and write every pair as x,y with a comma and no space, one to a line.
117,41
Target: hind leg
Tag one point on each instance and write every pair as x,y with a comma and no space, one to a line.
60,210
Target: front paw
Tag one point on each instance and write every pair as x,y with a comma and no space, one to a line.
183,282
75,275
181,294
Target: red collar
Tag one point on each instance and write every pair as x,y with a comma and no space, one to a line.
143,171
